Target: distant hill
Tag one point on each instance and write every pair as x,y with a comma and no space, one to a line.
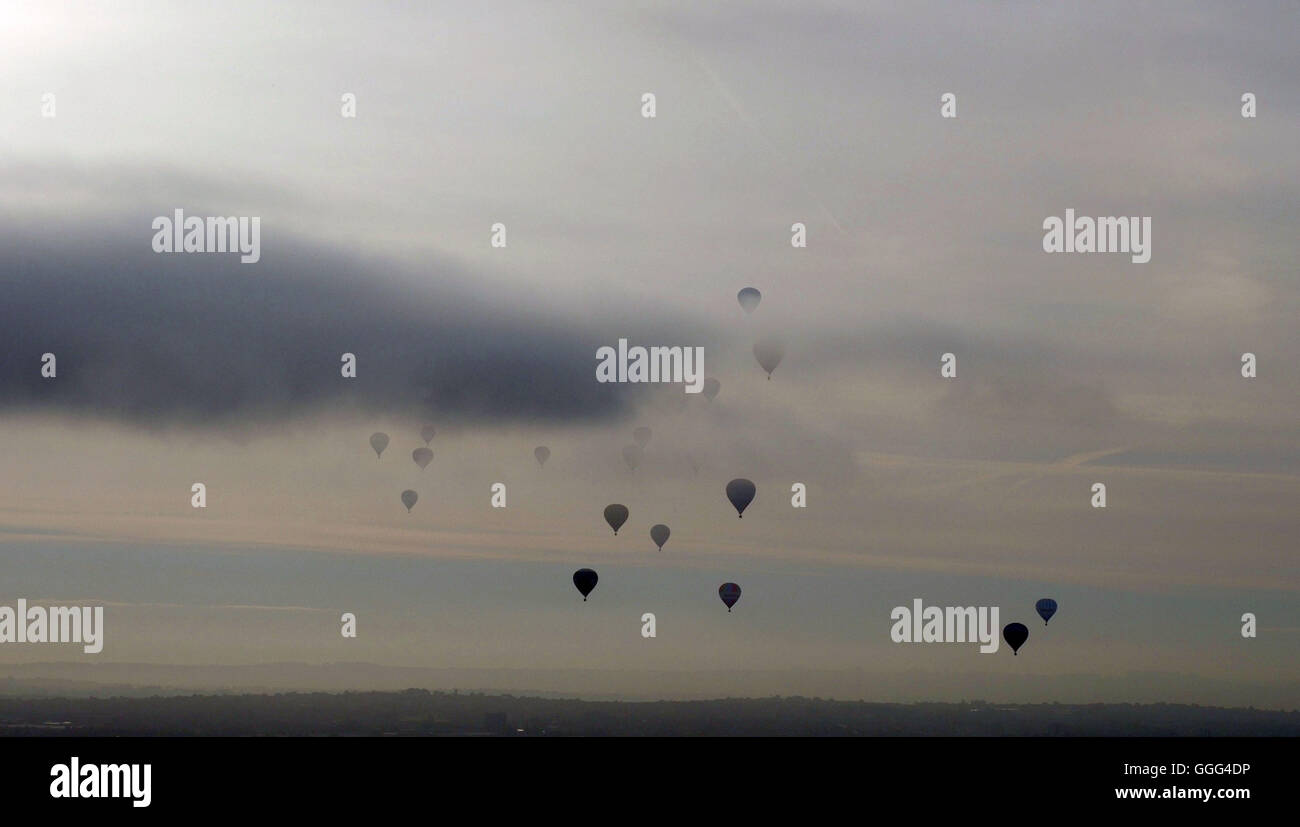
418,712
86,677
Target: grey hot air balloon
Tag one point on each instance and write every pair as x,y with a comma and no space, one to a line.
422,457
378,441
615,515
408,499
659,533
749,299
427,433
632,455
542,453
769,351
741,493
641,436
711,388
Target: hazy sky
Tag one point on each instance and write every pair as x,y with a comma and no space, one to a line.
924,237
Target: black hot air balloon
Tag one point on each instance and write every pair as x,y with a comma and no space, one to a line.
730,593
616,515
1015,634
741,493
659,533
585,580
1045,608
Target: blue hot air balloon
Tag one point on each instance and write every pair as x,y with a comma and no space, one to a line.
730,593
1045,608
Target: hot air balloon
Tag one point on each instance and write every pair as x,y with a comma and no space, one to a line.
749,299
408,499
427,433
730,593
542,453
379,442
659,533
1015,634
741,493
422,457
1045,608
641,436
616,515
585,580
632,455
711,388
769,352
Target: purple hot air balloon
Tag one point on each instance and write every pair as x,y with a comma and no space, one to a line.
730,593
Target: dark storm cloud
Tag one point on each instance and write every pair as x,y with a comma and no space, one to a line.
200,339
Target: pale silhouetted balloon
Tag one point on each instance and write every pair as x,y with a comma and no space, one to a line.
711,388
616,515
769,351
1015,634
542,453
632,456
585,580
379,442
408,499
427,433
641,436
749,299
741,493
659,533
730,593
422,457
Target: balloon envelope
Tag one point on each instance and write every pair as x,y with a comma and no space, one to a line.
379,442
711,388
408,499
741,493
749,299
422,457
1045,608
641,436
769,352
427,433
730,593
585,580
1015,634
659,533
616,515
632,455
542,453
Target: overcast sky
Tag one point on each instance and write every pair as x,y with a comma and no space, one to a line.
924,237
